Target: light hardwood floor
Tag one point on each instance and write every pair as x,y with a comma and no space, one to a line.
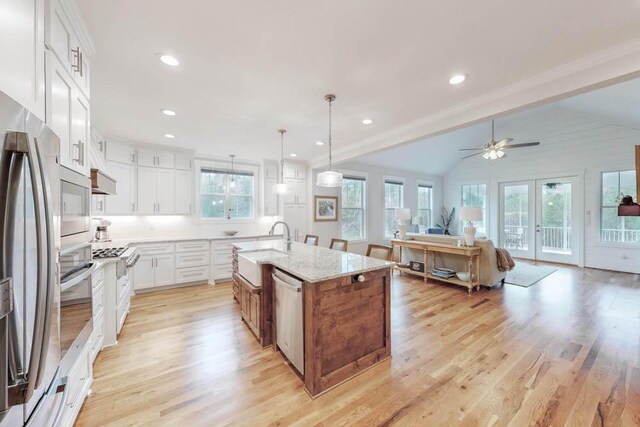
565,351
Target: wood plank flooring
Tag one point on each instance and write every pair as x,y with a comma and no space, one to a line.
565,351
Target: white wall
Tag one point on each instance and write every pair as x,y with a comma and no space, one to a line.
572,144
374,201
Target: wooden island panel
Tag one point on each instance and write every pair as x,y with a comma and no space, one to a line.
347,328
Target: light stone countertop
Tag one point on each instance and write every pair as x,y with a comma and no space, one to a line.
310,263
126,242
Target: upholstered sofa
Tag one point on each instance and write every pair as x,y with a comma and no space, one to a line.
489,273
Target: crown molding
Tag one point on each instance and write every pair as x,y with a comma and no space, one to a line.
71,9
613,65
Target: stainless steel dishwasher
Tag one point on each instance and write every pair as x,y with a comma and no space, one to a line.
289,323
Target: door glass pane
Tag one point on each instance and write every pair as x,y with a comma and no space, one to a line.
516,217
555,222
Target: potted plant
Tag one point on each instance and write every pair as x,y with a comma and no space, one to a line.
447,219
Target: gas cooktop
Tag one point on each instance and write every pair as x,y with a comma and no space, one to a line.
108,253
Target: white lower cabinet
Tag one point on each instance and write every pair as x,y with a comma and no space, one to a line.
154,270
78,384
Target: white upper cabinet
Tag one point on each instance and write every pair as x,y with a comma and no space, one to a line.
80,132
120,152
270,179
184,192
123,202
184,161
154,158
62,37
156,191
22,74
295,170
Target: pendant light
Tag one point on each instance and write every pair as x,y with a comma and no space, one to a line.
232,184
281,187
329,178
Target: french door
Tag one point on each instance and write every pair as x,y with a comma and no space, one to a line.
537,219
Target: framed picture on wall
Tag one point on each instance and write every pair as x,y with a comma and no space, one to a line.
326,208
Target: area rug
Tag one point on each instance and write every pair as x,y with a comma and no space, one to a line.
526,275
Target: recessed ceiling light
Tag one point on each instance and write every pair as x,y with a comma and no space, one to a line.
169,60
169,135
168,112
319,143
457,79
367,121
293,155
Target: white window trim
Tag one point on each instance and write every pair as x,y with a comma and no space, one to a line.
386,178
431,184
365,176
598,213
487,202
245,167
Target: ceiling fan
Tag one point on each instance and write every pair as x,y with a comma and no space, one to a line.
494,150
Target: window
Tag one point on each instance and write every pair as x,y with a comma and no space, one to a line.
476,195
393,198
425,204
353,206
614,228
226,195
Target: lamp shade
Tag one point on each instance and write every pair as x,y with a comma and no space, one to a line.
402,214
281,188
471,213
329,179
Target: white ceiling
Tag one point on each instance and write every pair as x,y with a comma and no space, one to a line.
619,103
250,67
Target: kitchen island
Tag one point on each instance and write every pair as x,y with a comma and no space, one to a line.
345,307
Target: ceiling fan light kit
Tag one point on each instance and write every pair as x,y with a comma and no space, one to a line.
329,178
494,150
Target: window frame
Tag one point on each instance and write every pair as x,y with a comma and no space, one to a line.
601,208
485,209
245,168
390,179
421,184
364,178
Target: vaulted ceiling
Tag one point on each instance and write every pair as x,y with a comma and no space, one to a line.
250,67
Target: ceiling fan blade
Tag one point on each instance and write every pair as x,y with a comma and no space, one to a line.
470,149
526,144
503,142
471,155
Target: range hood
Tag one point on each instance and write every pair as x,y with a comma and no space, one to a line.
101,183
633,209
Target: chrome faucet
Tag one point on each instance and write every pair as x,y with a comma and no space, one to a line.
288,241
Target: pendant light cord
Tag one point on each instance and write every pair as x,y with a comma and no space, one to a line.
282,131
330,164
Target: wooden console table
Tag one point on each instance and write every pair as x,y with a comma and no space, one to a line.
429,248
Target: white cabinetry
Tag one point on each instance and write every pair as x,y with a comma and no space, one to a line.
192,261
120,152
156,158
270,179
156,190
156,266
123,202
295,170
22,53
184,161
295,215
184,192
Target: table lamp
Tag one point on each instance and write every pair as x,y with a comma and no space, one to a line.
470,214
402,215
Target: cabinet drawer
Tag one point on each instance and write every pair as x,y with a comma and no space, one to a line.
223,272
97,301
78,377
223,259
192,246
123,292
192,259
155,248
121,313
192,274
97,339
97,278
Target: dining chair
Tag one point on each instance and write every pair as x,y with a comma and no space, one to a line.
380,252
311,240
339,245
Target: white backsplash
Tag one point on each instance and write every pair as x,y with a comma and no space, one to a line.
132,227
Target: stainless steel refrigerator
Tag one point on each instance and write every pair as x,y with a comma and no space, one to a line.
29,278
